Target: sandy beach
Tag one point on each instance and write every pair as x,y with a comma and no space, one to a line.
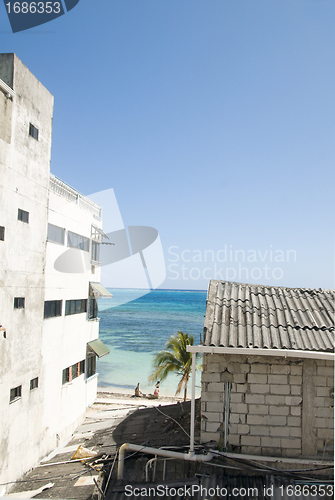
113,395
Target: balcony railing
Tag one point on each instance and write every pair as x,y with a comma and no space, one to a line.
62,189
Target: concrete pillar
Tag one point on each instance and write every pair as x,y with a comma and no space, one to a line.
309,438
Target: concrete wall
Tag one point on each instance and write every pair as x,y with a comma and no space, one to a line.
65,337
34,424
278,407
6,109
24,183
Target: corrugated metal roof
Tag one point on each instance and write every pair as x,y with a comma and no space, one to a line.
267,317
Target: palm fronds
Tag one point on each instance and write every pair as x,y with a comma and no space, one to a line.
174,359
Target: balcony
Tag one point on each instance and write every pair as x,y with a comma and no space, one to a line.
65,191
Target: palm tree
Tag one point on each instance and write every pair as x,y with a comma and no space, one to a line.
174,358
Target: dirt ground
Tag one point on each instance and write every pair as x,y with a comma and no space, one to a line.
115,418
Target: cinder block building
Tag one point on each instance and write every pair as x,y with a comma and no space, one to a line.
268,370
50,236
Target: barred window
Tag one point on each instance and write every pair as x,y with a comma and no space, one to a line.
56,234
15,393
33,131
73,372
91,364
75,240
95,251
66,375
75,306
93,310
34,383
23,216
82,367
19,302
52,308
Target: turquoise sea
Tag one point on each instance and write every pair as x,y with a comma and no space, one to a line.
137,328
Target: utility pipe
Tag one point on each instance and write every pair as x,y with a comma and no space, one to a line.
262,458
161,453
192,404
147,465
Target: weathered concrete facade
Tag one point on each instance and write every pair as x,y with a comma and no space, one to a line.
275,406
24,185
47,233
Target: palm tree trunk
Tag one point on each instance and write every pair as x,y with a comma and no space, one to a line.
186,382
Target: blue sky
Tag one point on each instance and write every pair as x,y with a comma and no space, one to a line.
212,120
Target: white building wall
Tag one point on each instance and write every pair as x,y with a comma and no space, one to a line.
35,423
65,337
24,183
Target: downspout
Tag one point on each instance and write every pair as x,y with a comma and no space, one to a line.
192,404
161,453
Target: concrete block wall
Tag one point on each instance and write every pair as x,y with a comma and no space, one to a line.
278,407
323,407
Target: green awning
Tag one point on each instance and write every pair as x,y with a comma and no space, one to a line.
98,347
101,290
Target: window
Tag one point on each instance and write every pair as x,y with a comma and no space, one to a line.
95,251
66,375
2,233
93,310
34,383
15,393
75,240
19,302
73,371
75,306
56,234
91,364
52,308
23,216
82,367
33,131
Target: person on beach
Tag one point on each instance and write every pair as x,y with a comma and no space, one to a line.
138,392
155,395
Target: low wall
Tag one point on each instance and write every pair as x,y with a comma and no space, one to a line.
277,406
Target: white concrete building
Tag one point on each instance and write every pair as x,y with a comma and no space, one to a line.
49,283
71,326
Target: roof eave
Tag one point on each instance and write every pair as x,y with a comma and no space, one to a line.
286,353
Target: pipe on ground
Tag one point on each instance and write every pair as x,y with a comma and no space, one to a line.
161,453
